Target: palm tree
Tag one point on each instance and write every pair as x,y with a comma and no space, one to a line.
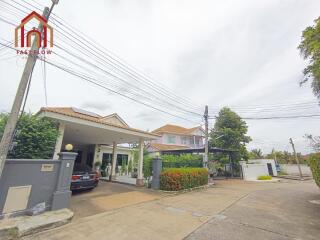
257,153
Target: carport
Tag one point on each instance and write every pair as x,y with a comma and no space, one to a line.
88,132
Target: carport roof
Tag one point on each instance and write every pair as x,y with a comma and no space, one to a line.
74,115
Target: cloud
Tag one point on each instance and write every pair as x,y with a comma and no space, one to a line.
101,106
216,53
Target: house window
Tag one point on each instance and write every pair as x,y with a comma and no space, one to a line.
107,158
122,159
171,139
192,140
184,140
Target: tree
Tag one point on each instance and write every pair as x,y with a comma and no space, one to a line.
310,49
256,154
229,132
35,137
314,142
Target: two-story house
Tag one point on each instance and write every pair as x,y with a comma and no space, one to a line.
175,137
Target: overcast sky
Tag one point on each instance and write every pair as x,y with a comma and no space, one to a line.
234,53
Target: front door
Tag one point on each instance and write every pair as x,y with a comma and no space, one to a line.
270,169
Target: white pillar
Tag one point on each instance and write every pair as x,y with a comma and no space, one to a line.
114,161
140,164
97,157
58,146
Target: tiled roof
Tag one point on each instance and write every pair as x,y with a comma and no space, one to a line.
92,117
169,128
165,147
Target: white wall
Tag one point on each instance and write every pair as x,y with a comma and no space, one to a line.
253,171
293,169
265,161
101,149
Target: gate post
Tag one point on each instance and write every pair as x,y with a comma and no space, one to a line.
62,195
156,170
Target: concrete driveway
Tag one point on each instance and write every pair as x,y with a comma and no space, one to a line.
230,210
108,196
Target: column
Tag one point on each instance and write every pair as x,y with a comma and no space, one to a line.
114,162
61,197
58,146
156,171
139,181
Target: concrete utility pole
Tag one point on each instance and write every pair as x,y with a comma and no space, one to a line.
296,157
14,114
206,144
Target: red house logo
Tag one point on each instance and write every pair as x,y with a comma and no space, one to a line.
25,39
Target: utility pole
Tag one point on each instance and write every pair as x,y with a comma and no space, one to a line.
206,144
296,157
14,114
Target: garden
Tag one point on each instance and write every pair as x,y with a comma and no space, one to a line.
179,172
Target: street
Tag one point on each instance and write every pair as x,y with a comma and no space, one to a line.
279,213
232,209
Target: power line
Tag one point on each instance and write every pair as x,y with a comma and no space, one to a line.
128,70
277,117
127,82
90,80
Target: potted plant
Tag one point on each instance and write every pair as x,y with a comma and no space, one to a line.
103,169
97,166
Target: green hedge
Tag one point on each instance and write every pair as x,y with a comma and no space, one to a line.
264,177
175,179
314,162
181,161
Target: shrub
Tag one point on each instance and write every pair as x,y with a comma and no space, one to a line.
147,168
174,179
35,137
264,177
182,161
314,162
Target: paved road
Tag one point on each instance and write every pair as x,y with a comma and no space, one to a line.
230,210
279,214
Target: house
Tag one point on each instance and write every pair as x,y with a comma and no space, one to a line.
97,138
173,137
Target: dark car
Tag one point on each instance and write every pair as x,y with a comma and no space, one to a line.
83,177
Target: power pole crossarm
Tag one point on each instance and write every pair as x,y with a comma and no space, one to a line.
14,114
206,145
296,158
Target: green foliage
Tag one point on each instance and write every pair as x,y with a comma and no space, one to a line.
97,164
181,161
130,166
284,157
255,154
264,177
314,162
229,132
310,50
35,137
147,166
175,179
124,169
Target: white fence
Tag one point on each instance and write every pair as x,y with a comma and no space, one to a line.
294,170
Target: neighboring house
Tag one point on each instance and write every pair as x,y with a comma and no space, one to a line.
96,137
175,137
